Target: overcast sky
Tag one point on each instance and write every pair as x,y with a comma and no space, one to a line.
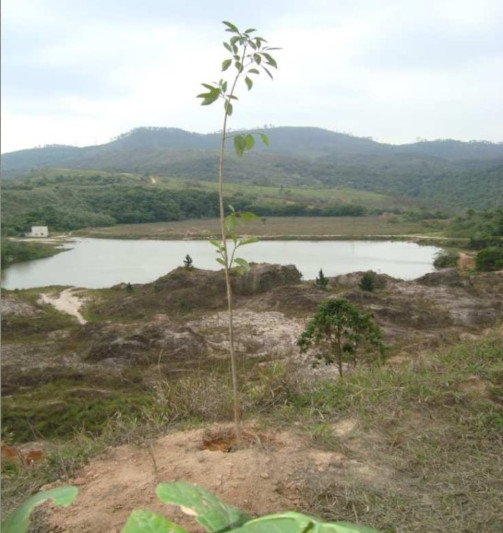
83,71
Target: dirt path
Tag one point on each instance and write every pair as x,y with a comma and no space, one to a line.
67,302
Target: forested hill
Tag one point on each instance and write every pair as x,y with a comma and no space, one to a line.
308,142
446,174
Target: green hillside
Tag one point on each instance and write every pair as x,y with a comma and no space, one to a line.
445,174
67,199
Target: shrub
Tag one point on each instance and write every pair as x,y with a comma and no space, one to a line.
489,259
321,281
368,282
445,259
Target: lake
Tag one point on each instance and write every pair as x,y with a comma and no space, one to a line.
100,263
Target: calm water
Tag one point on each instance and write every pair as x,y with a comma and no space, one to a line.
99,263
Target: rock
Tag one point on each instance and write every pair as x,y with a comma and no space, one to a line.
263,277
142,344
447,276
353,279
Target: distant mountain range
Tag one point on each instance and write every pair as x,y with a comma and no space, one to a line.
446,173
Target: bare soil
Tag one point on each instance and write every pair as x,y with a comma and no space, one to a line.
261,478
67,302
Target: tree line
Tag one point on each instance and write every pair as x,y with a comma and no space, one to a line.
67,205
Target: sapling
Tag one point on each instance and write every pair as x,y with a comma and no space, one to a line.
321,280
249,56
188,263
340,329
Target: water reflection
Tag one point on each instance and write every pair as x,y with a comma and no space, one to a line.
99,263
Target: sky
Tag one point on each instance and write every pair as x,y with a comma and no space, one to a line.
81,72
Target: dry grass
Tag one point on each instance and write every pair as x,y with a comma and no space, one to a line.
269,228
423,451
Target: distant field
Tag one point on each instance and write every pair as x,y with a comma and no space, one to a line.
320,196
271,228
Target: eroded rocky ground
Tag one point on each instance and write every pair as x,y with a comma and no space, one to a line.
179,321
137,336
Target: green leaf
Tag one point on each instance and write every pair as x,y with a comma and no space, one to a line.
231,223
140,521
249,240
226,64
228,46
221,261
268,73
244,266
291,522
217,244
211,96
270,60
19,520
239,145
208,100
250,30
209,511
253,71
247,215
230,27
257,58
249,82
228,108
265,138
250,141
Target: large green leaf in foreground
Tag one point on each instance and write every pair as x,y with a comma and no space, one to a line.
206,508
19,520
291,522
140,521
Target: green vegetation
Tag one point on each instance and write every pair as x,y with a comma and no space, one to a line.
485,231
440,174
78,203
434,438
490,258
341,329
188,263
27,414
19,251
66,202
34,326
446,259
214,515
483,228
19,521
368,281
321,280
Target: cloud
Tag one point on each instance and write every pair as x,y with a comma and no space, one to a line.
394,70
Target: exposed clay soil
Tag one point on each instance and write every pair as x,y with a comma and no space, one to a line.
261,478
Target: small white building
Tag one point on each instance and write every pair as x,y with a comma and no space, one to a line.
38,231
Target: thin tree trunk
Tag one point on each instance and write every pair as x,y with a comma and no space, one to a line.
339,353
235,389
